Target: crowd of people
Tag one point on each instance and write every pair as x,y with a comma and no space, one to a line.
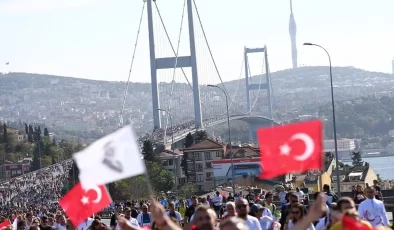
159,133
36,189
253,211
30,201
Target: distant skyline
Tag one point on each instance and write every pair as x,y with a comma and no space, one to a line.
94,39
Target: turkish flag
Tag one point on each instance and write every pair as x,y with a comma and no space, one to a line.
349,223
290,148
81,203
5,224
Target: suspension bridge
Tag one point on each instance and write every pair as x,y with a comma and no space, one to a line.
188,92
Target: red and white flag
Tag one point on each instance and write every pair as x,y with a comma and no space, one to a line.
5,224
79,203
290,148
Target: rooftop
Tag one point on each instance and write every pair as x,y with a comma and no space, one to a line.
206,144
169,153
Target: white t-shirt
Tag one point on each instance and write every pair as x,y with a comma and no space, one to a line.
177,214
290,225
85,225
300,195
253,223
132,221
282,197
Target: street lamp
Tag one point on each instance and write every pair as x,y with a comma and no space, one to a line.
172,146
229,135
333,117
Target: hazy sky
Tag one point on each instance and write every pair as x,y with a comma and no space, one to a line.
95,38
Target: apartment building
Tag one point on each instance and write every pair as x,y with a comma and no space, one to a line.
171,161
199,162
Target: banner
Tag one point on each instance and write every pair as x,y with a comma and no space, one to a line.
243,166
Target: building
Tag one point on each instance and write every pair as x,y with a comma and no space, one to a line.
10,170
199,162
392,65
345,148
242,152
314,180
19,135
171,161
358,175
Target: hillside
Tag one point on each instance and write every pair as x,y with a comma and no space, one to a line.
89,109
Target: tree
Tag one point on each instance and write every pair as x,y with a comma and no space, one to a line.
73,175
147,150
161,179
30,135
201,135
5,134
188,190
379,178
46,133
356,159
35,164
366,164
189,140
53,159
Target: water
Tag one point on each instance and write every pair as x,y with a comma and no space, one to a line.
382,166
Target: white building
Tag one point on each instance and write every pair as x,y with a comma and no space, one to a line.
392,64
345,147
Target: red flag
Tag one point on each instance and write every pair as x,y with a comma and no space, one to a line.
81,203
5,224
290,148
349,223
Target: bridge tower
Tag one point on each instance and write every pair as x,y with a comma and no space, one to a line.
169,63
249,87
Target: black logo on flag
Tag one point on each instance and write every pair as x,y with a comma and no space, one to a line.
110,160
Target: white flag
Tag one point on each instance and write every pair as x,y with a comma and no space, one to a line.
112,158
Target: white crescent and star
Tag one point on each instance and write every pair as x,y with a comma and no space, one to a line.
285,149
85,199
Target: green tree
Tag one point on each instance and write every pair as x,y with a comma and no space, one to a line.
5,134
46,133
161,179
147,150
30,135
188,190
380,180
35,164
53,159
189,140
201,135
356,159
73,175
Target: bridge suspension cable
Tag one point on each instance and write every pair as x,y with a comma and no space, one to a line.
259,90
215,65
174,71
131,67
172,46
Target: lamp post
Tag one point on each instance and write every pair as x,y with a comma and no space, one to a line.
172,147
333,117
229,135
